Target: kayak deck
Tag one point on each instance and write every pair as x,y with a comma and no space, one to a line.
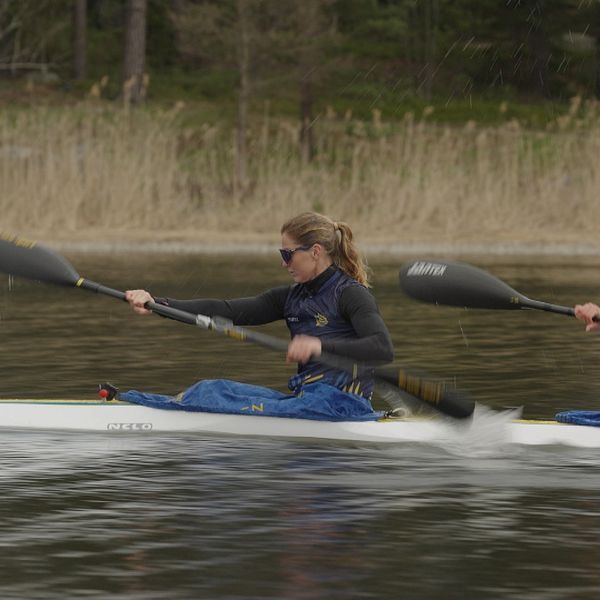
117,416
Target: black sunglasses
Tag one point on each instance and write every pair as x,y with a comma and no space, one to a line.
287,254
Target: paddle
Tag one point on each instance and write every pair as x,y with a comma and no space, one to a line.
32,261
461,284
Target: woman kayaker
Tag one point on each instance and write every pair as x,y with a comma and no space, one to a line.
586,313
328,308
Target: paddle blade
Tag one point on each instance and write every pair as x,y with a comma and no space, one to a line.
27,259
435,394
457,284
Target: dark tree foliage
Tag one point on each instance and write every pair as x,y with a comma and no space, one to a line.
530,48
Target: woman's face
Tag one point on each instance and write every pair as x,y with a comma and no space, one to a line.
303,265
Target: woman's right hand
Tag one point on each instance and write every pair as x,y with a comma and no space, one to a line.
586,313
137,299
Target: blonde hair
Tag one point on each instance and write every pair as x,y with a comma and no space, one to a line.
336,238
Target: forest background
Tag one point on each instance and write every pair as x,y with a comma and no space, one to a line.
416,121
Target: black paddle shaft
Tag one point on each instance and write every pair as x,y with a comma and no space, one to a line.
466,286
161,309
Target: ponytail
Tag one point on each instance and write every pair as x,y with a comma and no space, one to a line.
336,238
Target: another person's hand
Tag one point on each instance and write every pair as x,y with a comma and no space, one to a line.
137,299
586,313
302,348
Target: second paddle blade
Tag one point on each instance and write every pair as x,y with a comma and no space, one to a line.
27,259
457,284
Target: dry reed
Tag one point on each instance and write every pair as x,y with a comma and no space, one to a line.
68,171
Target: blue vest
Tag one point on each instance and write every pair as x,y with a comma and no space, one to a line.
317,314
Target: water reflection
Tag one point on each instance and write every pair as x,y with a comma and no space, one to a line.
187,516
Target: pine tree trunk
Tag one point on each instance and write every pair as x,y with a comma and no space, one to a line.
79,39
243,98
540,47
134,89
312,23
597,79
307,144
431,24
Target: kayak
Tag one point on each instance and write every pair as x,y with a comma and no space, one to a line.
118,417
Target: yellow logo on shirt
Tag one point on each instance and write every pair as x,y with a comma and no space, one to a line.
321,320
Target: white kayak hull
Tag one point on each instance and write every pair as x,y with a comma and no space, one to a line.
115,417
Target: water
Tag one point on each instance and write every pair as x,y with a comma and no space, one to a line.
193,516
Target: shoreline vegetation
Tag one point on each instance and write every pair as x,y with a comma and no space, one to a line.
96,176
233,247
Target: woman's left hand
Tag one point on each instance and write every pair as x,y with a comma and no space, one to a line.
302,348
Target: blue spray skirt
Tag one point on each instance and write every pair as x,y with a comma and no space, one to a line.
317,401
580,417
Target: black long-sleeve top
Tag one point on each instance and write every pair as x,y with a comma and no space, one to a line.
356,304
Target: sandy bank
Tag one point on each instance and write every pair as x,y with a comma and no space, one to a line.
258,243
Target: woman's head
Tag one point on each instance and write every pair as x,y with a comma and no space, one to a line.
318,238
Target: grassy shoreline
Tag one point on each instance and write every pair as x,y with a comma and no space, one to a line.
96,174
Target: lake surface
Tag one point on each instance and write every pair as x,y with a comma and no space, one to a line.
192,516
